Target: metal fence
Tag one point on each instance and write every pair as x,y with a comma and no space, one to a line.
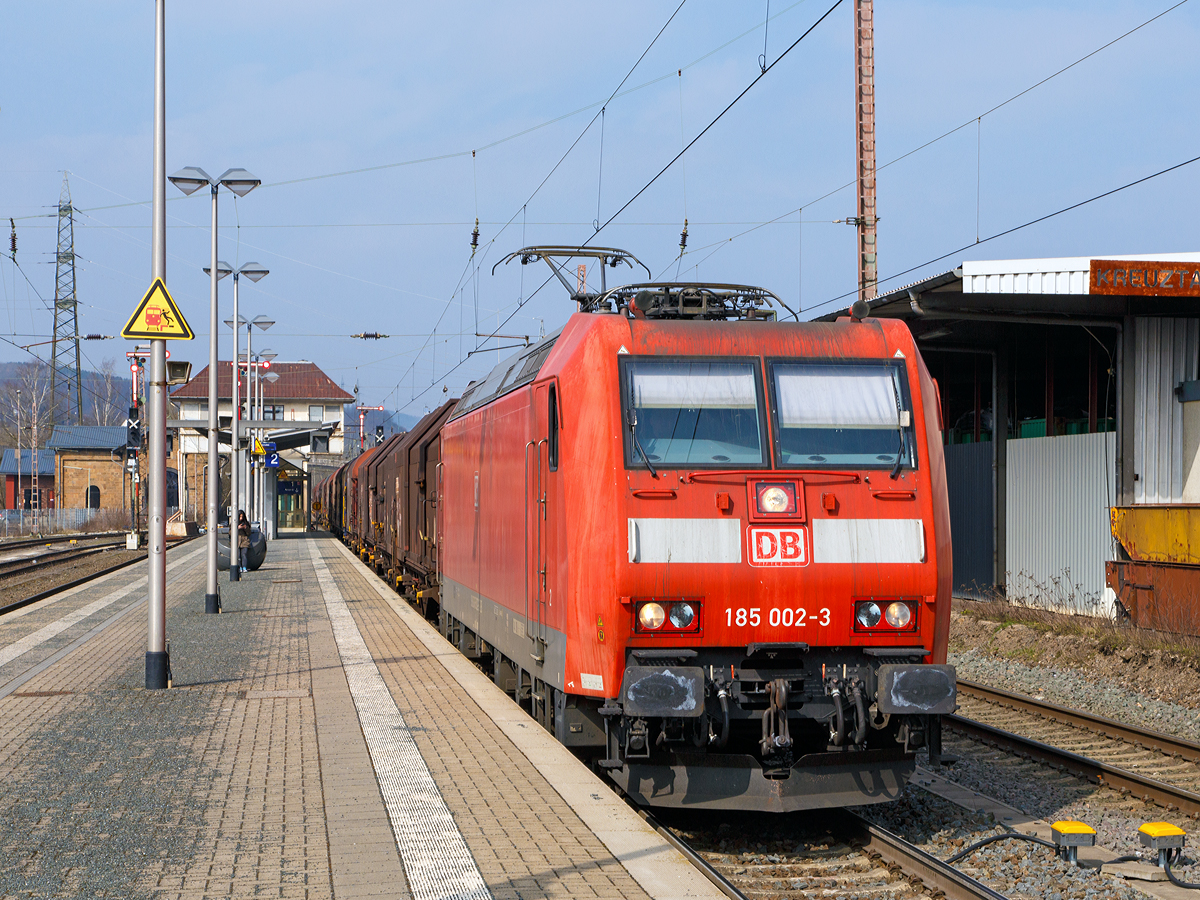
1059,493
48,521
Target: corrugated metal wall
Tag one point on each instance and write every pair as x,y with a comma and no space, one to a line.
1165,355
1059,492
972,522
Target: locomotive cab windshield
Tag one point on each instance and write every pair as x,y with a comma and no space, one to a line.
694,412
852,414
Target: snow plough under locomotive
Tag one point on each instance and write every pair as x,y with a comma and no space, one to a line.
707,549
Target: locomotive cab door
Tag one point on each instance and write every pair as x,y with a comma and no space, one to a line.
541,488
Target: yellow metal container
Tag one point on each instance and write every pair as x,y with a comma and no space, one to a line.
1164,534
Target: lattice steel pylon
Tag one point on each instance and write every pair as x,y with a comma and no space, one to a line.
64,358
864,34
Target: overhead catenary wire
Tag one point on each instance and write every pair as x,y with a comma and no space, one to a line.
719,116
977,118
1023,225
524,206
599,103
669,164
781,217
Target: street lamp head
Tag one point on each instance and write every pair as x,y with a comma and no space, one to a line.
242,320
239,181
223,269
254,271
268,355
272,377
190,179
263,322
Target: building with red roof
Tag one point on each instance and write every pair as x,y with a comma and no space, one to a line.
309,408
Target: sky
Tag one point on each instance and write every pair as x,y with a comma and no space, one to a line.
381,132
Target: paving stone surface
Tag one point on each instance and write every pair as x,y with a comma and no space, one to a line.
250,777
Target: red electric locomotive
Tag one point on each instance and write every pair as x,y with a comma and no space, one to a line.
710,551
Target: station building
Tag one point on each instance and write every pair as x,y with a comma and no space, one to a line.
303,414
1071,409
89,467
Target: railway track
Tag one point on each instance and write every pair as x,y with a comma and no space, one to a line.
51,591
1150,765
53,556
19,543
853,858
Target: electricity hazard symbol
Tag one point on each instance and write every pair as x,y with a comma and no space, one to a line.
778,546
157,317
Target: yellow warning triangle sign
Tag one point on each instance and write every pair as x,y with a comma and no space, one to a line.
157,317
258,448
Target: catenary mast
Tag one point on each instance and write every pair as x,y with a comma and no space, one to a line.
64,358
864,34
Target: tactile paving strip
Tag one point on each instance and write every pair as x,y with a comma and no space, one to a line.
437,862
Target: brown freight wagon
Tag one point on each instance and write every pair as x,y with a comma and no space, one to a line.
407,485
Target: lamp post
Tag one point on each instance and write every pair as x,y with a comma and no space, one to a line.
241,182
254,272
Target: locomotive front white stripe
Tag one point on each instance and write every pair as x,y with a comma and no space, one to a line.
685,541
868,541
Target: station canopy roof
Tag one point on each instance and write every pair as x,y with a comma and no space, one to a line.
1063,290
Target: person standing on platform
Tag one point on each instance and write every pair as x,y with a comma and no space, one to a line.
243,531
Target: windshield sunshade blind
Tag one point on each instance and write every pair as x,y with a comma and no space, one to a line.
836,397
699,385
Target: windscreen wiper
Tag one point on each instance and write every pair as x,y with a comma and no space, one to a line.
900,431
633,432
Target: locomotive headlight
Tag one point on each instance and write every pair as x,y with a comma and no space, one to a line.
651,616
682,615
898,615
868,614
773,500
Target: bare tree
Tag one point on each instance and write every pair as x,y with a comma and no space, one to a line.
107,396
29,385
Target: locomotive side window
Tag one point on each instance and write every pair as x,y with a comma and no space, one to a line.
552,427
692,412
839,414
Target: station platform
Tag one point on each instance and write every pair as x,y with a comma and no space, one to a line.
320,739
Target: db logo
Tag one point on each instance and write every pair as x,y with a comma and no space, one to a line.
778,546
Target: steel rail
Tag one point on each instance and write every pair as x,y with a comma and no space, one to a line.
937,875
706,868
17,543
1090,769
51,558
1154,740
934,873
50,592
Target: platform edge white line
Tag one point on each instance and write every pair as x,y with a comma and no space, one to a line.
435,856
